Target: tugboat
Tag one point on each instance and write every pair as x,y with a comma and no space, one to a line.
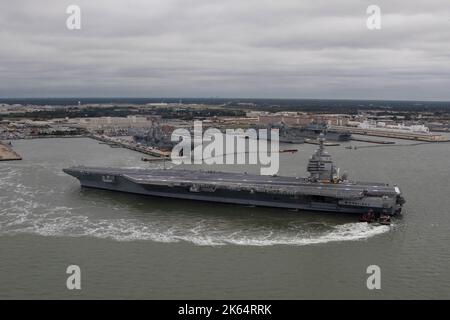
371,217
385,220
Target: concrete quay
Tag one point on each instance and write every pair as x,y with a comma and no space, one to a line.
132,146
393,134
7,153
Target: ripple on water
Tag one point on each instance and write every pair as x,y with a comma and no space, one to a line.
24,209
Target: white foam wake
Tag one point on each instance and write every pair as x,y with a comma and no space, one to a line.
61,223
24,209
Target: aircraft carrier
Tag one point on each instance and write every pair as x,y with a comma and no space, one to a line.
324,190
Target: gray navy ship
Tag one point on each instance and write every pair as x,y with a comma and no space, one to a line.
155,137
324,190
294,134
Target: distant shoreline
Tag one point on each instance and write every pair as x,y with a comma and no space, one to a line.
210,100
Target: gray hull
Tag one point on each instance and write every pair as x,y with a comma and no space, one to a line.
243,189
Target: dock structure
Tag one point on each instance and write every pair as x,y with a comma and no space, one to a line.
371,140
394,134
132,146
8,154
326,143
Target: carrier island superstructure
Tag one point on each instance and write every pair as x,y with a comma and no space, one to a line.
324,190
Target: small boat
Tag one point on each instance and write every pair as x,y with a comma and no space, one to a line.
154,159
288,150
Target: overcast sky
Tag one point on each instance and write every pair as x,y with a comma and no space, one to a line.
226,48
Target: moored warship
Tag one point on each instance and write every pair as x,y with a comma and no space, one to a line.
314,130
324,190
155,136
298,134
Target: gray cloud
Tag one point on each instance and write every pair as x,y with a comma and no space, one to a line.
233,48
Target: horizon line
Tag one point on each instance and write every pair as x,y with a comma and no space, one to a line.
221,98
